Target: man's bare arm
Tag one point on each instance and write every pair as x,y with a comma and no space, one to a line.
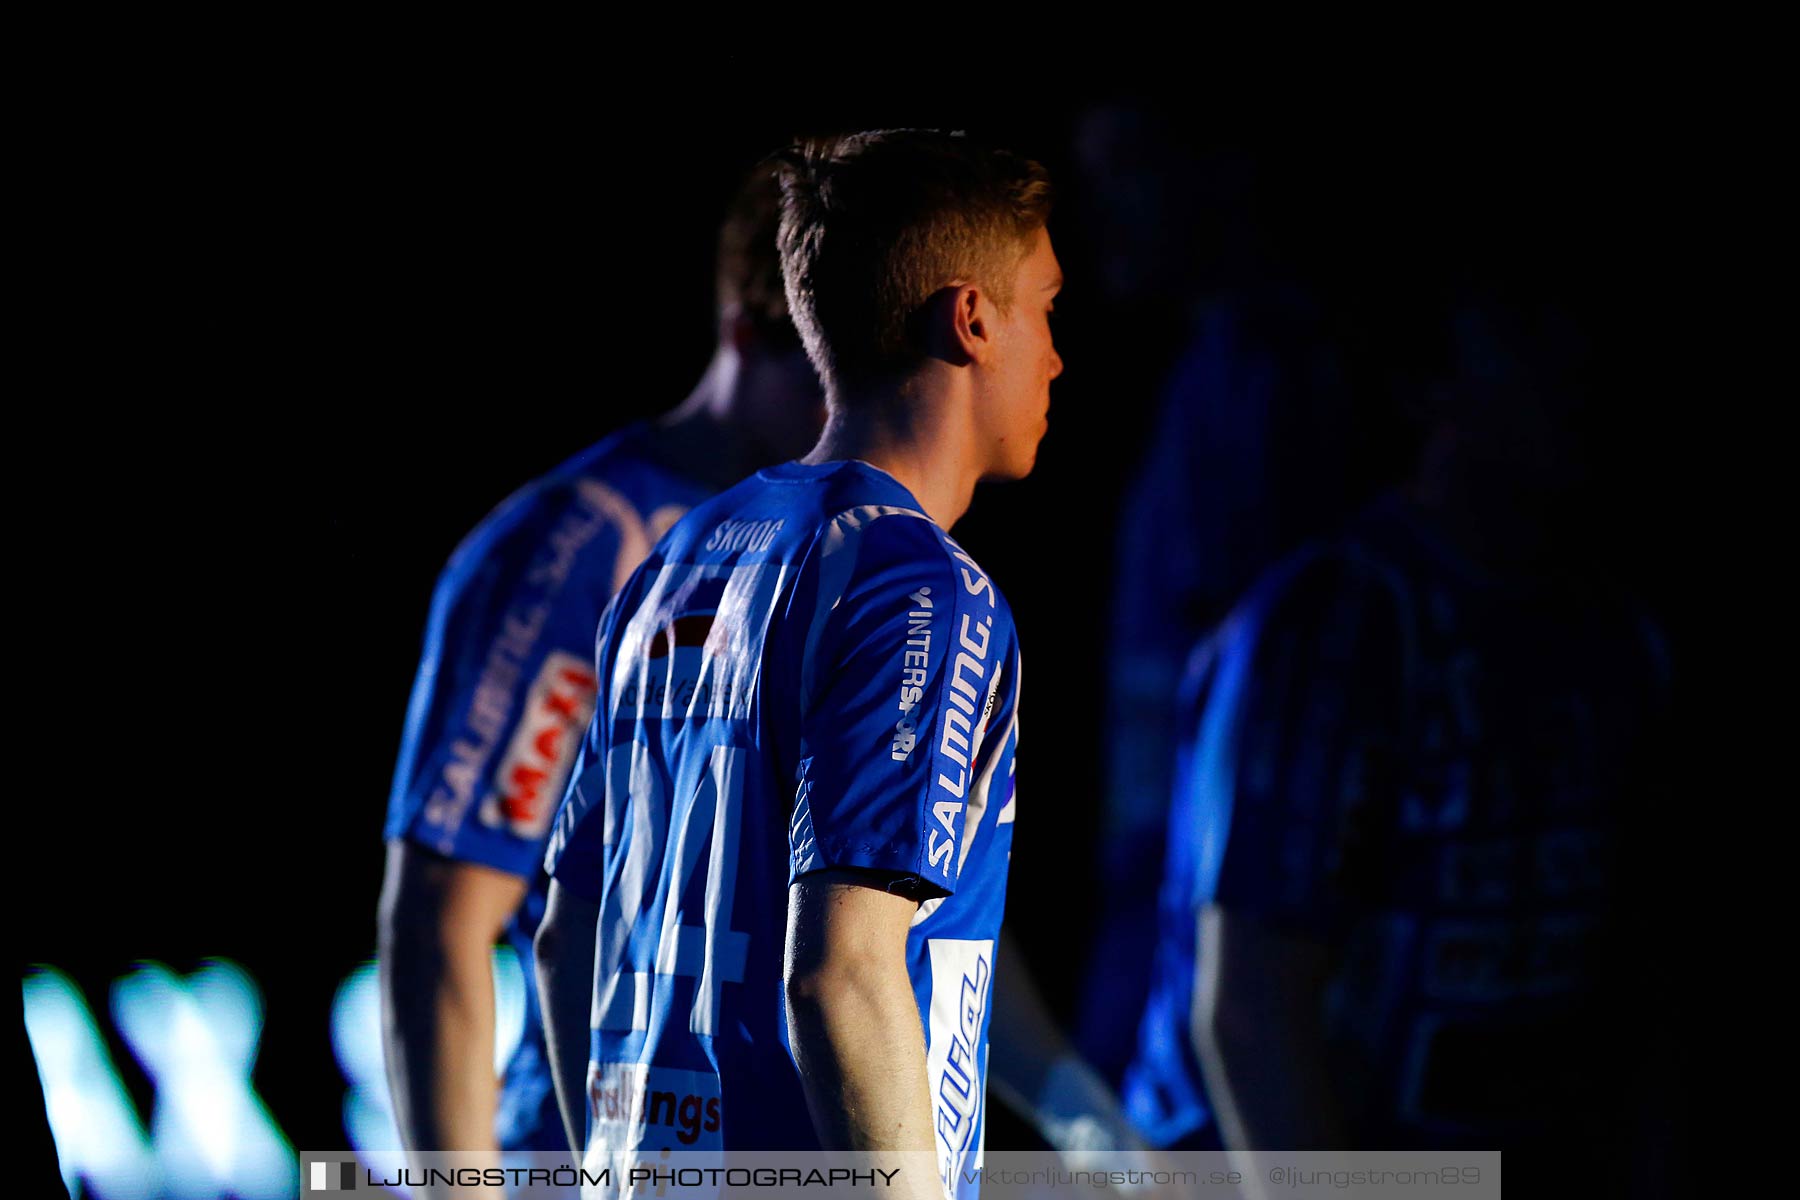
1258,1031
853,1024
438,921
565,978
1037,1073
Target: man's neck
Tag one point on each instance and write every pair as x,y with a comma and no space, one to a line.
707,433
916,439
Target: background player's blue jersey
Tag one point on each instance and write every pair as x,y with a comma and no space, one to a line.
1247,461
506,686
806,673
1430,772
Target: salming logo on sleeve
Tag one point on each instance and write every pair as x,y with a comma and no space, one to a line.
484,720
963,727
521,790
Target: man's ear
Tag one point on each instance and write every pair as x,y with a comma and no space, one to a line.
956,325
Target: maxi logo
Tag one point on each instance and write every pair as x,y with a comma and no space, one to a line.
537,763
594,508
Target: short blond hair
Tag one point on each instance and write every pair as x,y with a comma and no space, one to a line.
874,224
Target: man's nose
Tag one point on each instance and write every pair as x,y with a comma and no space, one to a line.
1055,363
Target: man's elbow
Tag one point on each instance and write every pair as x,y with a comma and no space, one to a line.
1228,1034
406,919
421,936
1207,1028
848,976
550,942
806,991
564,942
846,948
817,1001
1242,1032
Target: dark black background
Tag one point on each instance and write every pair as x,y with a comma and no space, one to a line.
306,335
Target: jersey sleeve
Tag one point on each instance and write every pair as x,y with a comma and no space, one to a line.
1296,710
906,640
506,682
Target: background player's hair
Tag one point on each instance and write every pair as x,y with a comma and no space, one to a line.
873,224
748,277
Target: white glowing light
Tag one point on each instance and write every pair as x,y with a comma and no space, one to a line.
98,1137
196,1038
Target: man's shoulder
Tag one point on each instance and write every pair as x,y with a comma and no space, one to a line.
625,468
889,542
614,484
1311,579
1331,591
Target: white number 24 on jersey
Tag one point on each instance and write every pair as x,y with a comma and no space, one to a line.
707,828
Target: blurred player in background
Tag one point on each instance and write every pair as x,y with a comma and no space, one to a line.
505,688
1248,458
780,871
1403,902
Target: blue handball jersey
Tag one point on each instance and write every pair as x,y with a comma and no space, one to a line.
506,686
806,673
1434,774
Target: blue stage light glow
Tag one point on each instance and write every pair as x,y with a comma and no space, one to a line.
98,1138
196,1038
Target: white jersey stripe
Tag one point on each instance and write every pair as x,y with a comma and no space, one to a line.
839,544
